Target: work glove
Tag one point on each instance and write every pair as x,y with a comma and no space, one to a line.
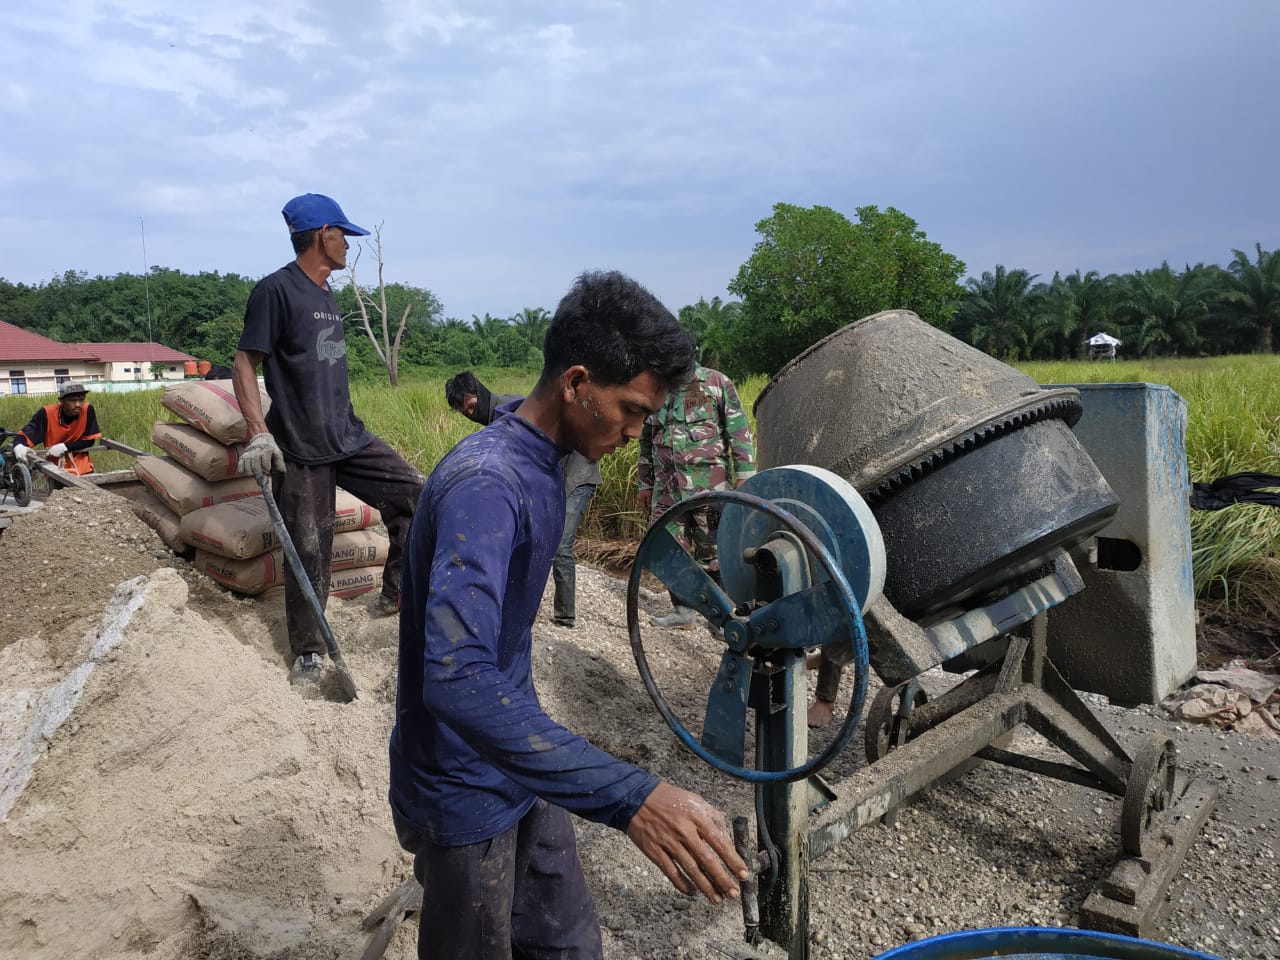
260,455
57,450
22,452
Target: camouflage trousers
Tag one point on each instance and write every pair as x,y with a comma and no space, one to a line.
696,533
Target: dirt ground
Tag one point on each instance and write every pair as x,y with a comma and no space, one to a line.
165,793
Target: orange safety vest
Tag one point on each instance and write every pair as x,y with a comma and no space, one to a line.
73,462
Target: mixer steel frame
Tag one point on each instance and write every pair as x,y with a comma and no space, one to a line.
916,743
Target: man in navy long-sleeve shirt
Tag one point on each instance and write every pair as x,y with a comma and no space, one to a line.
482,780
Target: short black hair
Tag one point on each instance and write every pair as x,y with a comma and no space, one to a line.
617,329
458,387
303,239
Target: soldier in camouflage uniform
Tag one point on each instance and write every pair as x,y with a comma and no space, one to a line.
700,440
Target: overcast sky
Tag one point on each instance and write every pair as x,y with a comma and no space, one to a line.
506,145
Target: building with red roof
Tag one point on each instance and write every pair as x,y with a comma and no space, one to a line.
132,361
32,364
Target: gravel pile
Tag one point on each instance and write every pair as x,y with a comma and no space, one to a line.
998,847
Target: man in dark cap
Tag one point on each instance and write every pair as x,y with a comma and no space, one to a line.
471,398
66,428
311,441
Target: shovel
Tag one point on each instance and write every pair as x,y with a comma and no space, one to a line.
346,686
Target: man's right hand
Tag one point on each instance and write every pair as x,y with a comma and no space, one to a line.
644,500
689,841
22,452
260,455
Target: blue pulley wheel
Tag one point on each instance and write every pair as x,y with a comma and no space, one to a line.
821,524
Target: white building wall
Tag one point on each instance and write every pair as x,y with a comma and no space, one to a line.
41,378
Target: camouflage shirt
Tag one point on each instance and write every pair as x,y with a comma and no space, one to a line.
700,440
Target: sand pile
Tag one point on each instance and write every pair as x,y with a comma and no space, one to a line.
190,804
192,800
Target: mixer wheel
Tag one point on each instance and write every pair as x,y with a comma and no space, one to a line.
1149,794
888,718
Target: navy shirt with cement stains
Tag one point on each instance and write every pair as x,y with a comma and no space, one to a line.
472,747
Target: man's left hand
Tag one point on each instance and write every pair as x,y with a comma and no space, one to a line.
56,451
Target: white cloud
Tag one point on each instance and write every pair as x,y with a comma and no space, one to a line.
548,135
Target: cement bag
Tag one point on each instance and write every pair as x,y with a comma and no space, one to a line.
352,513
238,529
253,575
182,491
250,576
242,528
211,406
204,456
351,583
358,548
161,519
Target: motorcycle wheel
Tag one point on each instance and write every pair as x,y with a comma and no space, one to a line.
21,484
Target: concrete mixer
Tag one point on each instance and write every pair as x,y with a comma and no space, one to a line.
922,505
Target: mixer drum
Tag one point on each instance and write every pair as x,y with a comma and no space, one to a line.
970,467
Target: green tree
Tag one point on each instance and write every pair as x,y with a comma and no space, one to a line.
1074,308
815,271
461,349
1251,297
708,323
532,323
997,315
488,327
1160,311
510,349
219,337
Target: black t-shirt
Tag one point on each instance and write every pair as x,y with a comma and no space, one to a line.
296,325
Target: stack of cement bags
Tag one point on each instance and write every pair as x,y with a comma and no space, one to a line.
236,546
196,500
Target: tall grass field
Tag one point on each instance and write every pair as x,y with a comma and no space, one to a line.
1233,425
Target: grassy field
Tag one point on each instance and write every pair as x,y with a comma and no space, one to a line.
1233,425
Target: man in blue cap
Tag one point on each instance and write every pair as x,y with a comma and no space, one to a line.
311,440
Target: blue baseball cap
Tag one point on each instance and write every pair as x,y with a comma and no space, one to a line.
312,210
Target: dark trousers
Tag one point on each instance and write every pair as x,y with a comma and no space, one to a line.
518,896
563,567
828,678
306,492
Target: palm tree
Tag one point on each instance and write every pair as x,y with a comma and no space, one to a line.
1075,307
1252,294
997,314
1161,311
488,327
705,321
532,323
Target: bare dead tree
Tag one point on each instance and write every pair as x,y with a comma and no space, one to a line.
374,301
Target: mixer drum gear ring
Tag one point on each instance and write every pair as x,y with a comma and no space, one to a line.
1149,793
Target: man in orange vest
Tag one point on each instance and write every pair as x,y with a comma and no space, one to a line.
66,429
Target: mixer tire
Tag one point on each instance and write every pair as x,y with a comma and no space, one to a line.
1149,794
887,712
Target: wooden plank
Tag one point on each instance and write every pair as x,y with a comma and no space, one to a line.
62,477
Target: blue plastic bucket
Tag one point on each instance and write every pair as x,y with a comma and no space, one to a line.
1039,943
